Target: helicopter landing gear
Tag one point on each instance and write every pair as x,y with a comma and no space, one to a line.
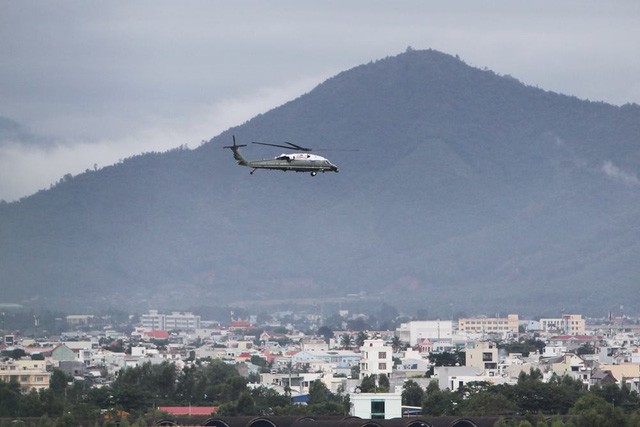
314,173
251,173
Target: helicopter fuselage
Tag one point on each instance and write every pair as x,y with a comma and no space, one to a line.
297,162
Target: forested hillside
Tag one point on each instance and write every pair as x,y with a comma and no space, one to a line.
471,192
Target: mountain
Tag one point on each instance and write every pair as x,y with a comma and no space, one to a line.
471,193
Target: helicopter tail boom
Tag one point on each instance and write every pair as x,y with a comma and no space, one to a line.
236,152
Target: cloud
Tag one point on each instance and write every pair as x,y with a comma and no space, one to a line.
26,168
614,172
152,75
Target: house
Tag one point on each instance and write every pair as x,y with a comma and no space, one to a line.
444,374
415,331
570,324
629,373
481,326
174,321
412,364
560,344
482,355
73,368
572,365
376,358
63,353
189,410
30,374
600,377
314,344
376,405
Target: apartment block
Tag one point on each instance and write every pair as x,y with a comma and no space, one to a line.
155,321
30,374
489,325
482,355
569,324
376,358
416,331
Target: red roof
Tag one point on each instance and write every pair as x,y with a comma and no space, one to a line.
189,410
240,324
160,335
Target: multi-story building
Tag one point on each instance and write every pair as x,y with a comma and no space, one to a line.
181,321
489,325
417,330
376,405
569,324
376,358
155,321
30,374
481,354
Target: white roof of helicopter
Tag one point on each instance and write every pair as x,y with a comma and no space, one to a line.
301,156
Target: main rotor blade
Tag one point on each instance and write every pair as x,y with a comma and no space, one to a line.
290,146
335,149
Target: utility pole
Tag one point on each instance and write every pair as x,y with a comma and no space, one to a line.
36,322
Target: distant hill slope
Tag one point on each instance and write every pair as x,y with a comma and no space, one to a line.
471,193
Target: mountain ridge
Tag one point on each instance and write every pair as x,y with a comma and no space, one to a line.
467,184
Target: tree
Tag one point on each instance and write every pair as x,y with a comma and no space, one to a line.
446,358
619,396
487,403
383,383
318,392
412,394
346,340
325,332
585,348
397,344
245,404
9,398
368,384
593,411
58,381
439,403
360,338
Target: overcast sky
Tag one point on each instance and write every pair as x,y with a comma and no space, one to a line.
93,82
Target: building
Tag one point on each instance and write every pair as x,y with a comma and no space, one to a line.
417,330
482,355
181,321
376,358
569,324
489,325
154,320
30,374
376,405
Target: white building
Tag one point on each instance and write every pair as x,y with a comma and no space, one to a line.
489,325
415,331
570,324
376,405
483,355
376,358
155,321
30,374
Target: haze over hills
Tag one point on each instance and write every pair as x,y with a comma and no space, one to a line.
470,193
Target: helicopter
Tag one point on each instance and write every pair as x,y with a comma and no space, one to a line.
297,162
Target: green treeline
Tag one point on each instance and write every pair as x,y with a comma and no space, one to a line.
137,392
539,402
